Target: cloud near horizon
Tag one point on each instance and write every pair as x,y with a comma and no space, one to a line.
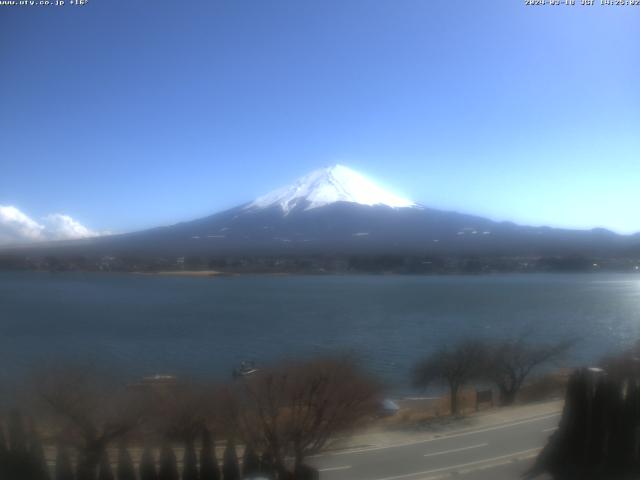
18,228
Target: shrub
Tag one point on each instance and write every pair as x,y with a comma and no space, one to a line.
148,465
168,464
230,467
209,469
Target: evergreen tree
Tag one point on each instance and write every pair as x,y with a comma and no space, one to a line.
599,424
86,467
566,447
3,443
597,438
148,469
267,465
18,463
105,472
168,464
40,470
3,454
126,470
209,469
632,411
189,462
17,435
63,470
618,455
282,473
230,467
573,431
250,461
305,472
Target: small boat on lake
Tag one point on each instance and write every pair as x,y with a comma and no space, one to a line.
245,369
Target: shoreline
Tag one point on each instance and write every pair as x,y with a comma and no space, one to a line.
217,273
187,273
207,273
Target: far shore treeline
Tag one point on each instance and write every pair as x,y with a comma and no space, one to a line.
56,261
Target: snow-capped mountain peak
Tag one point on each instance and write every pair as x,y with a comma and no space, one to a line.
329,185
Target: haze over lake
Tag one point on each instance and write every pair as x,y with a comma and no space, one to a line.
207,326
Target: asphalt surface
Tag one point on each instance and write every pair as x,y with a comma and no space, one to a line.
498,452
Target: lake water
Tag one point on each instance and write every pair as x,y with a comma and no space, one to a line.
206,326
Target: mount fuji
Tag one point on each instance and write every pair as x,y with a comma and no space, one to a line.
338,211
326,186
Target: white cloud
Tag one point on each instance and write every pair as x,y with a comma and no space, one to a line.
63,227
17,227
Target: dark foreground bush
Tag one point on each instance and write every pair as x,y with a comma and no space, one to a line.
598,437
209,469
305,472
22,456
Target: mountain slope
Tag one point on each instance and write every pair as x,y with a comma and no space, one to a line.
338,211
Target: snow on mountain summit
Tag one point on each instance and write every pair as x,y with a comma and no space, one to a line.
329,185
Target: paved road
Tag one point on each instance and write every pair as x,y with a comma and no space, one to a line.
498,452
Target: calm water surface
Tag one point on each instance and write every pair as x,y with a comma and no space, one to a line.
149,324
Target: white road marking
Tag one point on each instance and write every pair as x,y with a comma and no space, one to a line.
549,429
332,469
487,466
497,427
443,437
462,465
461,449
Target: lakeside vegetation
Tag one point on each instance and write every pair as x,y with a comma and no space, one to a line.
274,419
87,423
95,423
503,366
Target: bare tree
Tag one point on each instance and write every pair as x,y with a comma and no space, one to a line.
91,409
294,410
181,411
453,367
510,362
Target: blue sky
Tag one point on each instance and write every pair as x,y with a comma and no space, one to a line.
130,114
